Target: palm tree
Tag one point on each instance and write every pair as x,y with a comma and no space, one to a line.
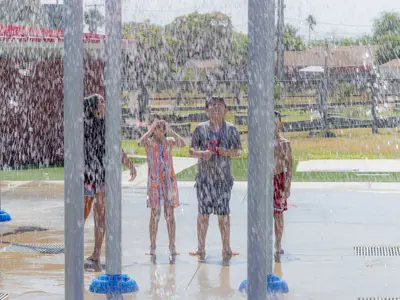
311,25
94,19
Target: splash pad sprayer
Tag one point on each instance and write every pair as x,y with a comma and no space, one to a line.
261,283
113,283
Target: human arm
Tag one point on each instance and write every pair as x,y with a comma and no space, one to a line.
176,140
127,163
235,145
195,148
289,167
144,140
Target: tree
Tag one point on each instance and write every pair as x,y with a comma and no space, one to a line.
387,23
312,22
235,64
360,41
20,12
291,41
201,36
94,19
389,48
386,34
151,61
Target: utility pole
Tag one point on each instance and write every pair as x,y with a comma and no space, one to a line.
324,96
374,100
280,37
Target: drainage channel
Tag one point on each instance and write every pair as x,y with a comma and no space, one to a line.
387,251
378,298
376,251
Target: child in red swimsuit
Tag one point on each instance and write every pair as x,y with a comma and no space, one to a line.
282,181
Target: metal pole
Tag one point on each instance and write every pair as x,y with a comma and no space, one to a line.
280,37
73,149
261,145
113,138
325,93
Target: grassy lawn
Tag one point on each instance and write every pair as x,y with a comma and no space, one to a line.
53,173
239,172
357,143
349,144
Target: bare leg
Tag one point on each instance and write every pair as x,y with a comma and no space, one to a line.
224,223
153,227
202,228
279,223
88,207
99,213
171,226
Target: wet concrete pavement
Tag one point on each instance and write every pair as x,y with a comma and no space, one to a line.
323,225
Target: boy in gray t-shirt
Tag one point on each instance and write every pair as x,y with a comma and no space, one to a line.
214,142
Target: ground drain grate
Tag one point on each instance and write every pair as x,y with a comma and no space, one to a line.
378,298
35,248
4,296
377,251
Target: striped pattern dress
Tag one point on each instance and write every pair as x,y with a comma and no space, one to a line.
162,187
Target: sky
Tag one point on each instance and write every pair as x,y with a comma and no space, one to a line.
338,18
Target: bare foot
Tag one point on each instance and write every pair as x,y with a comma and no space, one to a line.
201,255
277,257
227,255
93,260
152,252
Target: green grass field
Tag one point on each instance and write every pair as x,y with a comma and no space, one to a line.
239,170
52,173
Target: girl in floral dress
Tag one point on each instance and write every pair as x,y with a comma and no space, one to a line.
162,188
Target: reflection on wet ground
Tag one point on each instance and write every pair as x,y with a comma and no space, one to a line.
321,230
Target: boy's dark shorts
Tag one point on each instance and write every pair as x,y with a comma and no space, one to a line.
214,198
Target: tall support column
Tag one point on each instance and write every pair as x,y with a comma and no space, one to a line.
73,149
113,137
261,145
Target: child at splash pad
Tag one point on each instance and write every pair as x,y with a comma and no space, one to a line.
214,143
282,181
94,172
162,187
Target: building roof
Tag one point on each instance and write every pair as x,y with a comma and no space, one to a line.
339,56
15,40
202,64
395,63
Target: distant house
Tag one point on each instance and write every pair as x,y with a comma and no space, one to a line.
391,69
197,69
341,59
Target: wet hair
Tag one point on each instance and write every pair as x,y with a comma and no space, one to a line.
157,117
277,115
90,105
214,99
